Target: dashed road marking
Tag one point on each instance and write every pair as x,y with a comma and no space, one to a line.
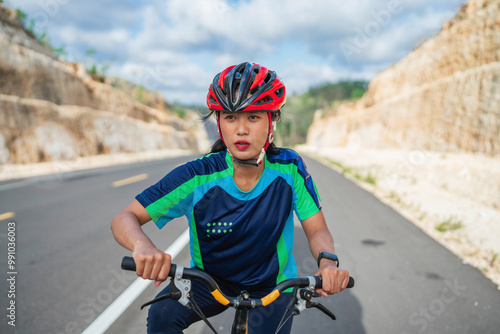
130,180
7,215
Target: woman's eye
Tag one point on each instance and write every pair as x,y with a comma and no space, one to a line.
254,117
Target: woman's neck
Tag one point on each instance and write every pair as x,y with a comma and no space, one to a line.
246,177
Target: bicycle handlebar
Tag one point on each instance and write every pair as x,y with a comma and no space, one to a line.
194,273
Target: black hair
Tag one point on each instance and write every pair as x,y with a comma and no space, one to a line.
219,145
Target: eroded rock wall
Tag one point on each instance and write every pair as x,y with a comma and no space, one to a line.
445,95
53,110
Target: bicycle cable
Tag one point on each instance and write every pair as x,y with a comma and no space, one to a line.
282,324
199,312
291,304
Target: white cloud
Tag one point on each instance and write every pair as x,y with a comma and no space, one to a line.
299,77
183,44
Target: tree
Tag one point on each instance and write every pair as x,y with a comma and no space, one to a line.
298,113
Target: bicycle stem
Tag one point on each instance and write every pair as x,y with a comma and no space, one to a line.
240,323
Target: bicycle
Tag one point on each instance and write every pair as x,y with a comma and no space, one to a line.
180,290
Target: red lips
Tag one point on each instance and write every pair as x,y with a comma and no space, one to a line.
242,145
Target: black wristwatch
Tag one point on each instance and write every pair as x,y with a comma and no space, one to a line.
329,256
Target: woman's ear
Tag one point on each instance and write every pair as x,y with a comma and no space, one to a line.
275,118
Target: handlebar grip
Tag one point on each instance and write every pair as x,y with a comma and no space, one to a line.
319,282
351,282
128,263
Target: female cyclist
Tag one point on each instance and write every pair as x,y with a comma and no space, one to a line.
239,201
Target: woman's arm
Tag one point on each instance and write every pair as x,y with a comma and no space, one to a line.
320,240
151,263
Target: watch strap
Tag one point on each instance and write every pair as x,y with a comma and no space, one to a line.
329,256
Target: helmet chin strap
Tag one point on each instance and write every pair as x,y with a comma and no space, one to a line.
250,162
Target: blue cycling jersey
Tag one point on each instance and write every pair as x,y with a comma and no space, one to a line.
242,237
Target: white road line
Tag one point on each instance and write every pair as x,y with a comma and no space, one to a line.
20,184
113,312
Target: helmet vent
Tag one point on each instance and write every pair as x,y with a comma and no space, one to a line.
221,92
268,77
279,92
235,92
264,100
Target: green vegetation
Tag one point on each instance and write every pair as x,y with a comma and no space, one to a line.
139,95
179,110
97,70
339,165
42,38
494,258
60,51
299,110
370,179
325,95
449,225
22,16
394,196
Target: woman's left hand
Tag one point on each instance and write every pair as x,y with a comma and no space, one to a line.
334,279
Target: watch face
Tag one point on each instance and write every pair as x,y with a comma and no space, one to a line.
329,256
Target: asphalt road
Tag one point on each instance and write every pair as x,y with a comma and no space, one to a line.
67,262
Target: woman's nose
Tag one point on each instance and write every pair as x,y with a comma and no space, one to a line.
242,127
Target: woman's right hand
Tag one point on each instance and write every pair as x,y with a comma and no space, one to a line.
151,263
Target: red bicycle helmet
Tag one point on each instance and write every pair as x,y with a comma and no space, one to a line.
247,87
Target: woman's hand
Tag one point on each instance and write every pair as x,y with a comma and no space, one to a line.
320,240
151,263
334,279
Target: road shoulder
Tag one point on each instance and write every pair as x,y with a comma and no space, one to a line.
454,198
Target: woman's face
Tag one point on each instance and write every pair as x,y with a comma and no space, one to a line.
244,133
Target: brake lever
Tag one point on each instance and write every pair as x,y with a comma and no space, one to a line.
174,295
304,296
182,285
322,309
180,290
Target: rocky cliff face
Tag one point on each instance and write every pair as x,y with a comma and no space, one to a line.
53,110
443,96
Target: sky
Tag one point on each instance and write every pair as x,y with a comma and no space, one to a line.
176,47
